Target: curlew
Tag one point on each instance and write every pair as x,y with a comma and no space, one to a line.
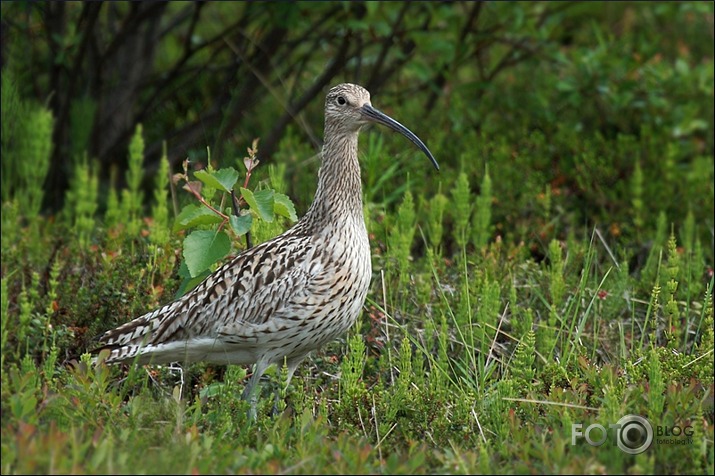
276,302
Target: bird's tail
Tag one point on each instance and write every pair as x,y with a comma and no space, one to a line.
127,342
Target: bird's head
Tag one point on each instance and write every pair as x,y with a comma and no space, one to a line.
348,108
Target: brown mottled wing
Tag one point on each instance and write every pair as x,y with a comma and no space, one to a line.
243,294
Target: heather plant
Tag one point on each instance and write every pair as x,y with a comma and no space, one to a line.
131,208
435,223
26,148
160,227
82,202
461,211
401,237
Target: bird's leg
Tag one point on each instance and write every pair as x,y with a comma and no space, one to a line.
250,393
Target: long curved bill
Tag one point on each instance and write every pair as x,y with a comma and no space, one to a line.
381,118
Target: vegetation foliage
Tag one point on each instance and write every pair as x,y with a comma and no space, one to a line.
558,270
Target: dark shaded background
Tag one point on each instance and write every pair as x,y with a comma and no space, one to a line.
219,74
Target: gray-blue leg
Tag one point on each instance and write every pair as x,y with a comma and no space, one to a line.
250,393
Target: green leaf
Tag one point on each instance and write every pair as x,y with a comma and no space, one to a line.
212,390
241,224
202,248
189,283
194,215
223,179
260,202
283,206
248,197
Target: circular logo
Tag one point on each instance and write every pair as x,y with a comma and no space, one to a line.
634,434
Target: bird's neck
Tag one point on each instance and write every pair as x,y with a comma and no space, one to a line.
339,194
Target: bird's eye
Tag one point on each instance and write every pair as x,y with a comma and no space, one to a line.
342,101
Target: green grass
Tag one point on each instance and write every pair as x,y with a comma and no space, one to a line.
475,360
